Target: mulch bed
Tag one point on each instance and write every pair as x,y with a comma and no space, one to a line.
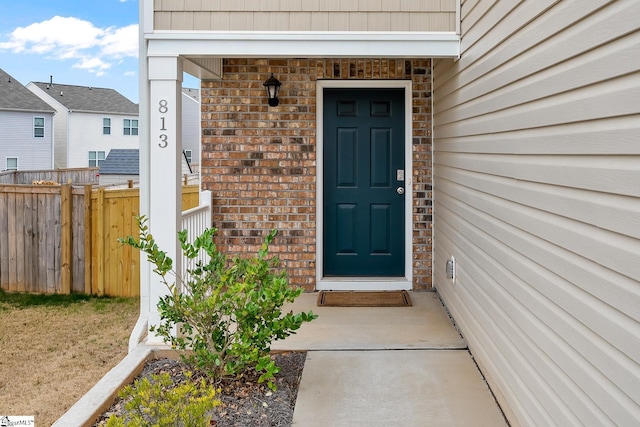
244,401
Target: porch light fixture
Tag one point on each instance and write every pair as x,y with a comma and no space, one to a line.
272,85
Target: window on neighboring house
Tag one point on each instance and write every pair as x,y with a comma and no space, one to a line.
12,163
106,126
96,158
130,127
187,155
38,127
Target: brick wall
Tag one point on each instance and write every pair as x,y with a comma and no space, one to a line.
260,161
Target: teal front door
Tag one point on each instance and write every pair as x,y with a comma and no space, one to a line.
364,166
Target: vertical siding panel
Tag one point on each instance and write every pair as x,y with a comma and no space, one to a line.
357,21
391,5
173,5
253,5
182,20
400,21
338,21
232,5
370,5
240,21
279,20
291,5
319,21
221,21
202,21
193,5
161,21
420,15
261,21
300,21
379,21
410,5
330,5
349,5
311,5
536,152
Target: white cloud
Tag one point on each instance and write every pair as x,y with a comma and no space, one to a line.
95,49
95,65
121,42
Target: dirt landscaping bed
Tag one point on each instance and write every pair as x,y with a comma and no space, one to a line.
244,402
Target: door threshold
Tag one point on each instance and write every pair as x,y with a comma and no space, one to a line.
364,284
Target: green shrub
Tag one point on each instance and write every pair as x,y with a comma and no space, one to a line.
156,403
226,313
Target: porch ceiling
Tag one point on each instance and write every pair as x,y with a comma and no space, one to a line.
304,44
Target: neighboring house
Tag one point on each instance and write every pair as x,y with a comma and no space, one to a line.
191,130
26,128
123,165
89,122
120,166
502,138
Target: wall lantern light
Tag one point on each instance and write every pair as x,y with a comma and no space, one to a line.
272,85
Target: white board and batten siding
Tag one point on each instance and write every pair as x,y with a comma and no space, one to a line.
537,196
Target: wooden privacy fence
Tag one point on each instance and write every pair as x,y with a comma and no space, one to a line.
61,176
63,238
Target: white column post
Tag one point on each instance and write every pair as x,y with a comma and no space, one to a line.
165,150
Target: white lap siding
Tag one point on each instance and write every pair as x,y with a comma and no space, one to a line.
17,140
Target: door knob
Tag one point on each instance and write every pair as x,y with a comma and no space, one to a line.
400,190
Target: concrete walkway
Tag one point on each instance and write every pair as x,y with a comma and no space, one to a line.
404,366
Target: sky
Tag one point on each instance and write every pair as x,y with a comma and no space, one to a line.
78,42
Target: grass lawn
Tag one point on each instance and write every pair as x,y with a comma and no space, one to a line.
54,348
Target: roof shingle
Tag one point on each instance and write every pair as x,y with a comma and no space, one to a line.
15,97
89,99
121,161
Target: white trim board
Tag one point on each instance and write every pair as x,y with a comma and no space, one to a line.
364,283
306,44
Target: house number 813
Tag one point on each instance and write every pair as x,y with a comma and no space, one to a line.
163,109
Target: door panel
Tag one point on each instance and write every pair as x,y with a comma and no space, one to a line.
380,158
345,234
347,166
381,229
364,218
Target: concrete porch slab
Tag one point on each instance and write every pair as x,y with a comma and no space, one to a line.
425,325
394,388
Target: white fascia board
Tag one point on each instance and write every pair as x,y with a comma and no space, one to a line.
229,44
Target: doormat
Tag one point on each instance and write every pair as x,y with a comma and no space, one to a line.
364,299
